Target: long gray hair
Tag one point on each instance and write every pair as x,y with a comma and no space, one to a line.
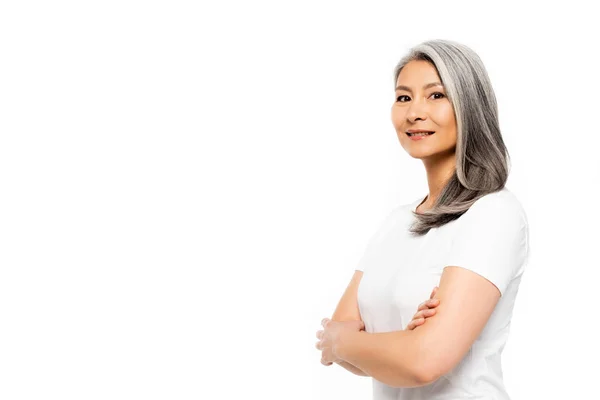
482,159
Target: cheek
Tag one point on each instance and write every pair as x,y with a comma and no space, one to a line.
444,117
395,114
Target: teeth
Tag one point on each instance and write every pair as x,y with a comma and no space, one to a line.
420,134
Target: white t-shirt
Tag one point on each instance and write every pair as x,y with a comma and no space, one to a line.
400,271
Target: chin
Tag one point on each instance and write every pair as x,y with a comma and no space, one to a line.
420,155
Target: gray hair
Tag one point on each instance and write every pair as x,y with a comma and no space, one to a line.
482,159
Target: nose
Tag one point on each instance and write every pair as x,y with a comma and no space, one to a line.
416,111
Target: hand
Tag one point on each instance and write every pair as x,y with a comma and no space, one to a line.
425,310
331,336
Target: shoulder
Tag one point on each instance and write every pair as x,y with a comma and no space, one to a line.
502,200
501,207
388,221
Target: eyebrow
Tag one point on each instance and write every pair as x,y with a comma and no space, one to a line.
402,87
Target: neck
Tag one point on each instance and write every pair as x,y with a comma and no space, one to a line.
439,171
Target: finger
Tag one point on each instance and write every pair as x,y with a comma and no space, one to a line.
414,323
319,334
425,313
428,304
428,313
417,322
318,345
326,363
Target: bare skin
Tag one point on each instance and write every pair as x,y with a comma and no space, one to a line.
419,105
425,310
416,107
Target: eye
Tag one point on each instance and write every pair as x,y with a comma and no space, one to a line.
441,94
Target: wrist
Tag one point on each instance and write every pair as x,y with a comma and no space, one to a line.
341,346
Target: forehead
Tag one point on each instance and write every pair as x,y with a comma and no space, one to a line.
416,73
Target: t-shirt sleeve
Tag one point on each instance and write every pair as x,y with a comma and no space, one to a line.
371,250
360,266
491,240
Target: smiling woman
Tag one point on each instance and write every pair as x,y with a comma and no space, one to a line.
408,105
442,88
469,236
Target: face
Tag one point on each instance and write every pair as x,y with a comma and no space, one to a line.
419,107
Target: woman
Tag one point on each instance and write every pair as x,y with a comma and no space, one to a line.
468,236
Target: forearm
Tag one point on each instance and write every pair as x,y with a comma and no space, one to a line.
393,358
352,368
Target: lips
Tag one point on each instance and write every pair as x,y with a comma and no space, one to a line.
420,133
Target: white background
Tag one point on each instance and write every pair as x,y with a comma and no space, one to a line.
186,188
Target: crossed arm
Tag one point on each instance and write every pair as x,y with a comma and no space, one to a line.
419,357
348,309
